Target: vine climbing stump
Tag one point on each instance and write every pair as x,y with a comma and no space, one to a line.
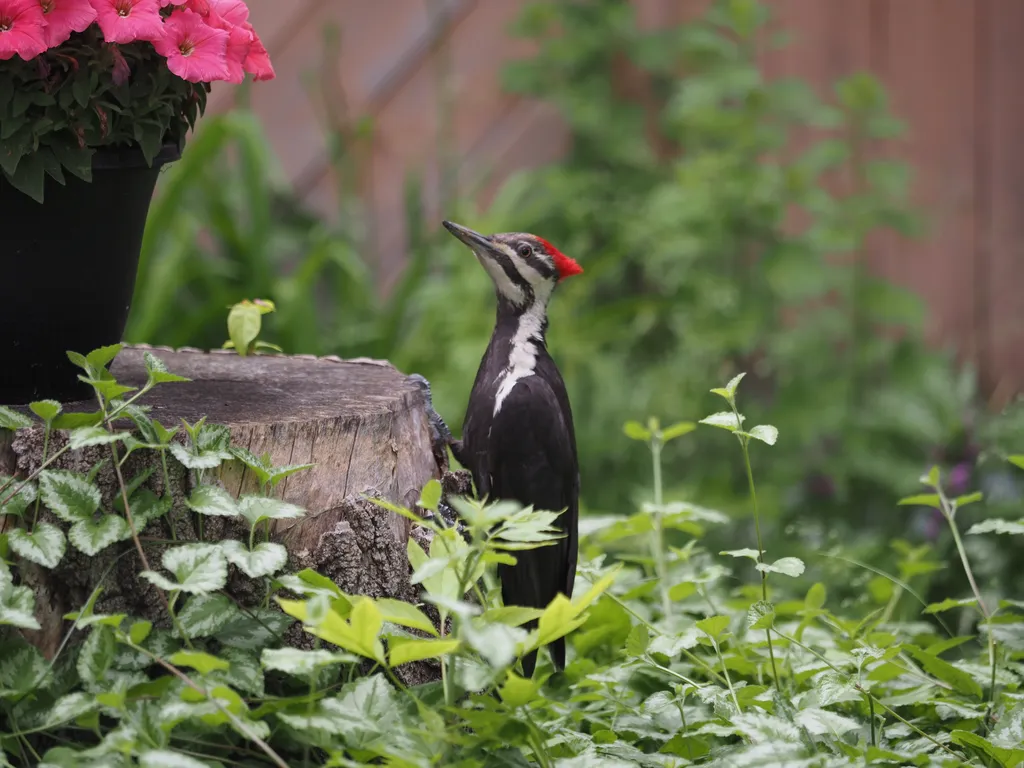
361,423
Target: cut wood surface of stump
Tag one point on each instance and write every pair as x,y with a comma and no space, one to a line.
361,424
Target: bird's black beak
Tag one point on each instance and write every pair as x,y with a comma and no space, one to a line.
477,243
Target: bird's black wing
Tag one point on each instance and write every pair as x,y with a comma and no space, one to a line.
532,459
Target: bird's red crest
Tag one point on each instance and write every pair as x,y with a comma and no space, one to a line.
566,266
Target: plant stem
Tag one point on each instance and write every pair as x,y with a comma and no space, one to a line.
46,448
658,535
728,680
760,545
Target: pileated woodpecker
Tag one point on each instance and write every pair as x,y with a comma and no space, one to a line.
518,437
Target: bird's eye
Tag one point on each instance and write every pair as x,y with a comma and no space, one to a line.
525,249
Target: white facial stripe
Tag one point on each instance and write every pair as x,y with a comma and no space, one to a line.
502,282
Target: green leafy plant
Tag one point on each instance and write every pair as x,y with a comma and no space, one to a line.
244,322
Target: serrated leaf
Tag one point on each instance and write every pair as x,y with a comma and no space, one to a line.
724,420
139,631
11,419
166,758
46,410
202,662
788,566
93,536
213,501
405,650
945,671
761,615
766,433
1002,755
682,590
197,568
921,499
747,552
820,722
949,603
17,606
931,478
157,370
405,614
1017,460
96,655
83,437
998,525
713,626
970,498
734,383
634,430
206,615
302,663
17,501
103,356
70,496
518,691
258,508
45,546
430,496
70,707
265,559
637,641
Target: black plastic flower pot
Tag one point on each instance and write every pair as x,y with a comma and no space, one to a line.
67,271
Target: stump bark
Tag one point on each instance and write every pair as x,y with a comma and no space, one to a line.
361,423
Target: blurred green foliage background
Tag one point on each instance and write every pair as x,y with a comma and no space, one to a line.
716,239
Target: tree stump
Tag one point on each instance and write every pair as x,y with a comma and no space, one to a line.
361,423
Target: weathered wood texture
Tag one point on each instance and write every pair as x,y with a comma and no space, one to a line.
361,423
952,68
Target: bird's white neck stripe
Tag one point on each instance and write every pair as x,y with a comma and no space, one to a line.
522,359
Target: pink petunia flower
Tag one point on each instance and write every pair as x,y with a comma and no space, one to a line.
258,61
64,17
194,50
232,11
125,21
21,29
202,7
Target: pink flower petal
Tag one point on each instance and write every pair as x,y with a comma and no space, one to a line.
258,60
21,29
125,21
195,51
64,17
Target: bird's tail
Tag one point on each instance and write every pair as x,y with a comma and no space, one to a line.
557,650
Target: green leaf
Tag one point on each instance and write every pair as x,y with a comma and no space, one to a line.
724,420
998,525
17,501
103,356
766,433
518,691
93,536
212,501
634,430
359,635
405,614
430,496
302,663
197,567
713,626
1017,460
788,566
820,722
166,758
202,662
10,419
96,655
206,615
69,495
1007,756
970,498
139,631
255,509
922,499
265,559
637,641
949,603
682,590
17,606
243,326
747,552
44,546
84,437
76,420
932,478
761,615
677,430
815,597
46,410
157,370
405,650
945,671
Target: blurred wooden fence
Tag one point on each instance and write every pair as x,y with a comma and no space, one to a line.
953,69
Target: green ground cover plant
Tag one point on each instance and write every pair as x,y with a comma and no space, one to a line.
681,654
